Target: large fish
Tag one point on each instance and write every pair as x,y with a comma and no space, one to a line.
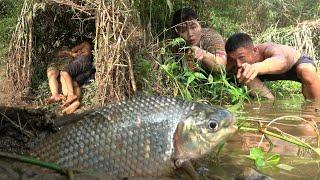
146,136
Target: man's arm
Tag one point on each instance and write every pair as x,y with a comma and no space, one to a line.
67,53
82,49
213,62
258,88
275,63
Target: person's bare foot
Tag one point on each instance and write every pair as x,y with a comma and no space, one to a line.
54,98
71,108
70,99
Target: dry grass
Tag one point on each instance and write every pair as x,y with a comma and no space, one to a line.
302,36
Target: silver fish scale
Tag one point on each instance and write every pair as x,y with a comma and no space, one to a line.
128,138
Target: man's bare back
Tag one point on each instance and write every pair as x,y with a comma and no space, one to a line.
269,49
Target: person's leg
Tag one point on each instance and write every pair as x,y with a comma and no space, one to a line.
71,96
53,86
75,104
307,73
64,87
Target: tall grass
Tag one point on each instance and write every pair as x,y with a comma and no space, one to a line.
9,13
175,78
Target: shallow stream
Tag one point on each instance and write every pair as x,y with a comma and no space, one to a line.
305,163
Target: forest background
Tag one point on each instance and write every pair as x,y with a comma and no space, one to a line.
156,69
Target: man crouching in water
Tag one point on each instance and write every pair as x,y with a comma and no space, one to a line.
269,61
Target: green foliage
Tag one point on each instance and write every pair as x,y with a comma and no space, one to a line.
9,13
223,24
283,89
143,71
88,91
199,84
263,159
277,35
158,14
266,159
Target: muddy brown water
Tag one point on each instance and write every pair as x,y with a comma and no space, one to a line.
231,164
305,163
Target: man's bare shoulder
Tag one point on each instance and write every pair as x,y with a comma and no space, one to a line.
268,46
270,49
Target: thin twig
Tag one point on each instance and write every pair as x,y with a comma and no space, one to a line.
29,134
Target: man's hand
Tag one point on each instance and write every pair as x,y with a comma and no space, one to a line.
247,73
198,52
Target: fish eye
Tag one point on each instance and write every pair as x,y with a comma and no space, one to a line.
213,125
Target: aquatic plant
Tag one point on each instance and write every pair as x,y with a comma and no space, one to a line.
266,159
278,133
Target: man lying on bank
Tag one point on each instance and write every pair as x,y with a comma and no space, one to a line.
269,61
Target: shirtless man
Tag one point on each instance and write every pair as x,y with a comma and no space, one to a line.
206,44
269,61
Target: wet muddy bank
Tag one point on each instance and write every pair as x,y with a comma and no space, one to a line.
20,128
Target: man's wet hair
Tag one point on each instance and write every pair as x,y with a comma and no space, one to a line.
183,14
238,40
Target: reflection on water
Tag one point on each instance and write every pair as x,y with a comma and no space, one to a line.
306,163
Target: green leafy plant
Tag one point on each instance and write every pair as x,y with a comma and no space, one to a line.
263,159
198,84
266,159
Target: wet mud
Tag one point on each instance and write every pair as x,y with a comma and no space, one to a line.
21,128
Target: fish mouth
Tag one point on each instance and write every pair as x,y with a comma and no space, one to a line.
233,128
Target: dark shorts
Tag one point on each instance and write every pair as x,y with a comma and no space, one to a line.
80,69
85,77
292,73
59,63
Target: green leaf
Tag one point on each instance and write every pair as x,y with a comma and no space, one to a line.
210,78
188,73
174,66
273,159
191,78
199,75
177,41
263,159
169,3
162,51
165,67
260,162
256,153
285,167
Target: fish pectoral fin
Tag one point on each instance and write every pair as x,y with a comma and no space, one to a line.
186,166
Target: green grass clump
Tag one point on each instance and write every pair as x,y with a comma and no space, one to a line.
285,89
171,76
9,13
